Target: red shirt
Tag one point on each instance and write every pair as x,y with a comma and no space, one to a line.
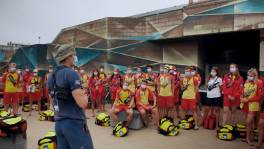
234,89
115,80
94,82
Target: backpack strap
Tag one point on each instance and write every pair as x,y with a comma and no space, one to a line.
55,86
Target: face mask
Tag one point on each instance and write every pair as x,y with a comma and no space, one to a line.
128,72
12,69
101,70
161,70
193,73
213,74
125,87
19,71
35,74
82,71
115,72
249,78
50,70
187,74
149,70
75,60
143,86
233,69
27,70
174,73
95,73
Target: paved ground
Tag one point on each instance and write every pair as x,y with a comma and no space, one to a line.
143,139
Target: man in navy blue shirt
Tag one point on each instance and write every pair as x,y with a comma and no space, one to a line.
69,101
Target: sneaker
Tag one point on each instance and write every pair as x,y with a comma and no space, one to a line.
196,127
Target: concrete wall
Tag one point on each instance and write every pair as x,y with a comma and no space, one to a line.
182,53
125,27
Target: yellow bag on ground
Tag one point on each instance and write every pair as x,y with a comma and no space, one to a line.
102,119
167,127
49,141
47,115
120,130
187,123
226,133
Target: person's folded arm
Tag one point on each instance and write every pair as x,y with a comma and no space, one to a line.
80,97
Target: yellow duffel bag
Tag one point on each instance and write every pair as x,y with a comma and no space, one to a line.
49,141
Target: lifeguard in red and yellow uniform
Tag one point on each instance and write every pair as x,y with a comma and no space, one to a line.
130,79
250,100
102,87
143,98
115,82
198,78
124,102
84,80
177,86
11,79
26,77
165,92
189,89
34,90
94,84
232,89
150,77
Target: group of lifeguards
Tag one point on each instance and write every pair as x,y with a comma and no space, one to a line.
149,92
161,94
23,86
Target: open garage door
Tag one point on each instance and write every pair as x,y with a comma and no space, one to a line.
241,48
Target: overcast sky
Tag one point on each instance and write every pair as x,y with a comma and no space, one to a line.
22,21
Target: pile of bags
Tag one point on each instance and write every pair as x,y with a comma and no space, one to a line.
47,115
187,123
229,132
26,107
167,127
11,124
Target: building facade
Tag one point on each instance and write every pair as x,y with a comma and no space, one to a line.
203,34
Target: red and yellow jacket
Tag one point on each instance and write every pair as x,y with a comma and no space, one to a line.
233,86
